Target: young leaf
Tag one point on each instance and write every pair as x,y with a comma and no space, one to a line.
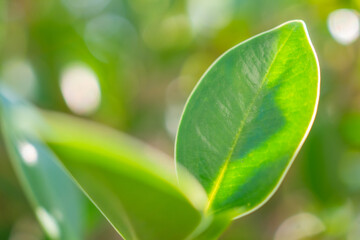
124,178
248,117
58,203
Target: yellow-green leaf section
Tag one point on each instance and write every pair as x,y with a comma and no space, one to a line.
248,117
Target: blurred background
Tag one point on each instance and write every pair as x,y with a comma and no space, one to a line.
130,64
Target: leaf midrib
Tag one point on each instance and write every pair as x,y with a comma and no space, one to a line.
221,175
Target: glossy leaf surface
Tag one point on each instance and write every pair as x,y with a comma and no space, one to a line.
124,178
58,203
248,117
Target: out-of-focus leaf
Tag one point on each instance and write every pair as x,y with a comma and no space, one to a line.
350,128
248,117
138,194
322,157
58,203
349,169
125,179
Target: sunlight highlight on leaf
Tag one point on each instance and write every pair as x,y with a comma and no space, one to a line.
49,223
299,226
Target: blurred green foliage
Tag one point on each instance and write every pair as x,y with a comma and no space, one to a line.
147,55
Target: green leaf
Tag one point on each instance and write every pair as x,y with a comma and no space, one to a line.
126,180
211,226
248,117
58,203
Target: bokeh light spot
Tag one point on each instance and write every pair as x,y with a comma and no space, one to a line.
299,226
109,36
344,25
206,16
85,7
19,75
29,153
80,89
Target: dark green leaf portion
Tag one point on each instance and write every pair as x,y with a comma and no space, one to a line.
248,117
